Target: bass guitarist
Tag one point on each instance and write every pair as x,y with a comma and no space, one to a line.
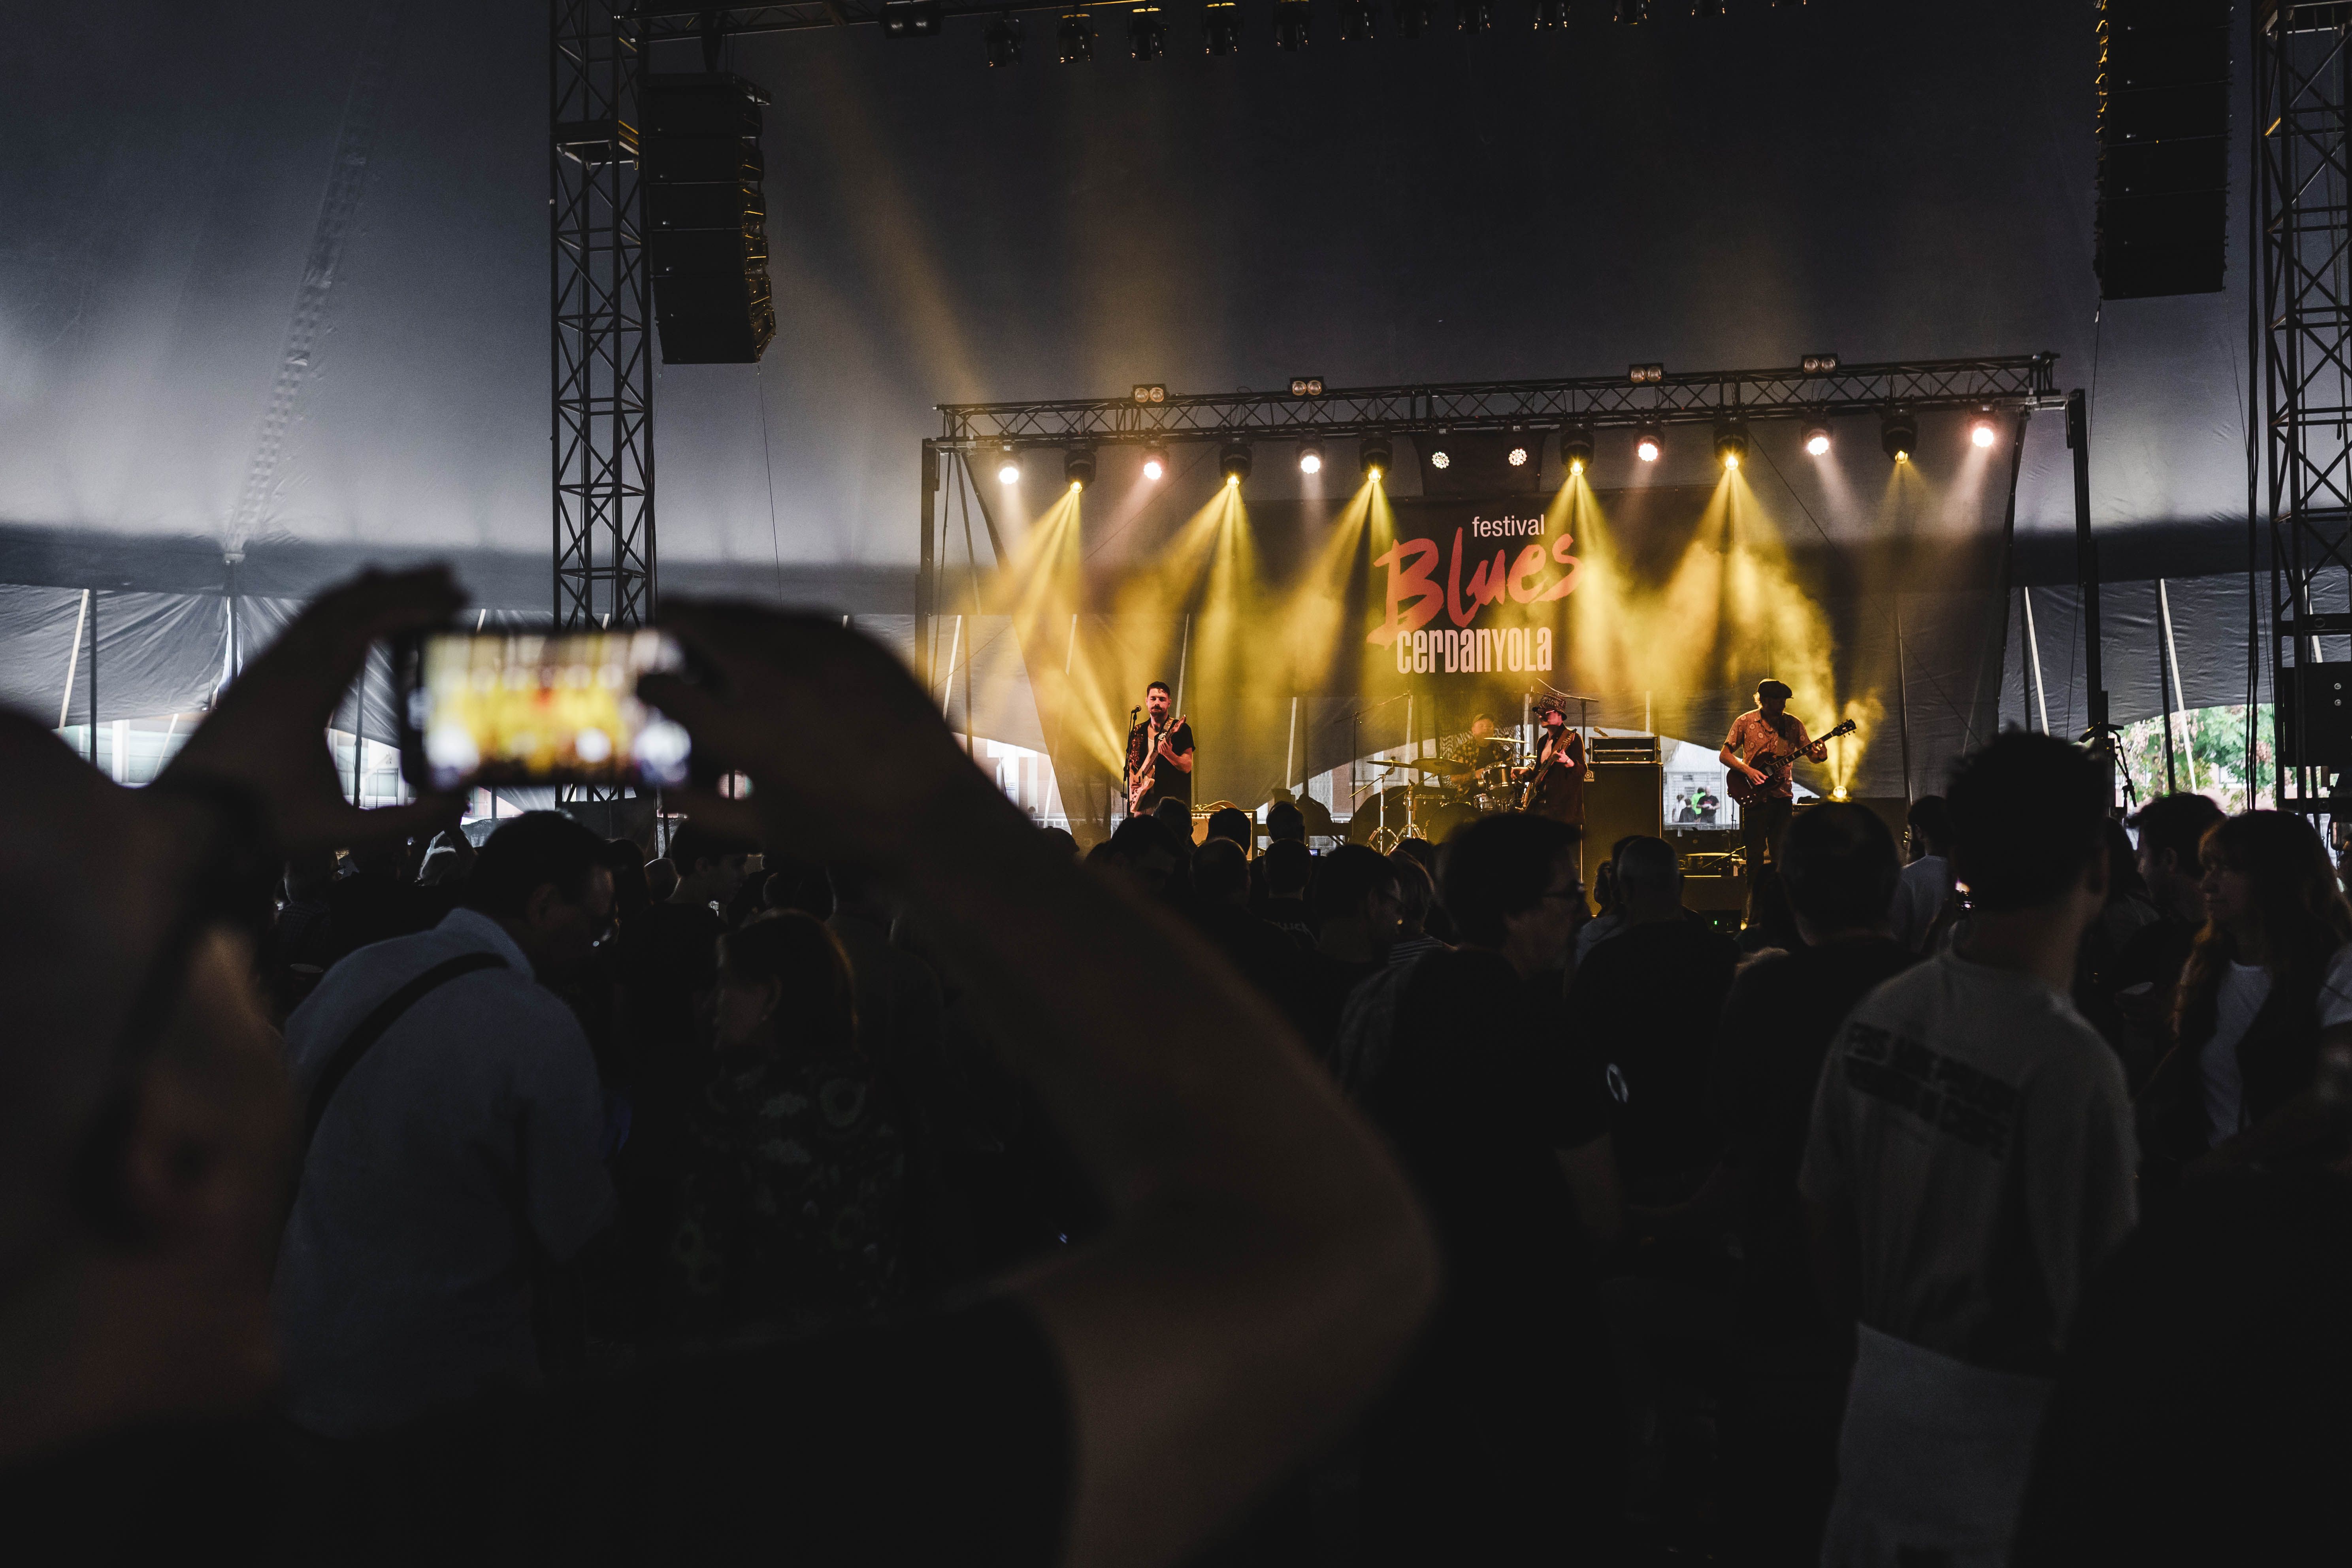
1158,755
1763,742
1556,782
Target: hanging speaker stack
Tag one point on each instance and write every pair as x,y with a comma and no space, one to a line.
2163,147
706,218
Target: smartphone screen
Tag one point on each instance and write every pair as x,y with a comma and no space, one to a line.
506,708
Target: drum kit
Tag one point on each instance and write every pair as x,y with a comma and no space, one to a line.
1415,809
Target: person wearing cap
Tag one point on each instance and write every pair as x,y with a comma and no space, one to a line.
1767,735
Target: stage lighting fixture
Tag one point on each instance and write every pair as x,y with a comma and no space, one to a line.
1551,15
1005,41
1645,374
1708,10
1221,26
1647,444
1079,465
1150,392
1310,456
1898,433
1008,472
1817,440
910,18
1517,457
1146,35
1234,462
1819,364
1155,463
1412,18
1983,431
1359,21
1075,34
1474,15
1730,442
1441,458
1576,447
1306,386
1632,13
1373,453
1293,21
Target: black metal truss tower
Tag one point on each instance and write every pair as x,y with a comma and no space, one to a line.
603,303
2303,85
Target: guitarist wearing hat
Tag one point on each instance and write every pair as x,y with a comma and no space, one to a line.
1158,755
1764,742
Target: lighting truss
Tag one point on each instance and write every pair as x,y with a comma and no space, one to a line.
2015,383
2303,185
602,340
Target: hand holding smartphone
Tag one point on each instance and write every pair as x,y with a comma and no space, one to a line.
536,708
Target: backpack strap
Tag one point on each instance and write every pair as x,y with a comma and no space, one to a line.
369,1029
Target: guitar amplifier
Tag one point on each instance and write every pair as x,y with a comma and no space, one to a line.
1622,749
1621,800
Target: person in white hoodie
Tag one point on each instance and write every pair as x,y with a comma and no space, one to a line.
1970,1162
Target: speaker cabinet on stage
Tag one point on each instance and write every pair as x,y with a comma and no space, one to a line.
1620,799
2163,147
706,220
2320,734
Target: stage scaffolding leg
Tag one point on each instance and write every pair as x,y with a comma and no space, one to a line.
926,567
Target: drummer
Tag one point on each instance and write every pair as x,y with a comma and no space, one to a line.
1475,753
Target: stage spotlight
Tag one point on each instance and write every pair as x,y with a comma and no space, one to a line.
1075,34
910,18
1441,458
1306,386
1079,465
1645,374
1819,364
1898,433
1005,41
1576,447
1235,461
1373,453
1150,392
1647,444
1293,21
1146,35
1517,457
1983,431
1551,15
1474,15
1632,13
1817,440
1310,456
1221,26
1008,472
1359,21
1412,18
1155,464
1730,442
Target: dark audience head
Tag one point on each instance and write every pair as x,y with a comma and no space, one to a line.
1288,867
796,884
1151,857
1230,822
449,859
1839,869
625,858
1176,817
543,876
710,865
1284,823
1649,877
2172,831
1415,894
1931,819
1220,873
309,875
1062,839
2124,881
1510,883
783,984
661,880
1422,852
2026,814
1349,880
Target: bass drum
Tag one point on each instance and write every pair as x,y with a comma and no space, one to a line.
1442,822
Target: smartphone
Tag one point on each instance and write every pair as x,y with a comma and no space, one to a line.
516,708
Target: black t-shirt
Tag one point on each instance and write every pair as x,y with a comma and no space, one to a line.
1777,1026
942,1440
1169,781
1645,1004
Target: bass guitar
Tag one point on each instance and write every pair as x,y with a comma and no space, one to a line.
1142,783
1772,765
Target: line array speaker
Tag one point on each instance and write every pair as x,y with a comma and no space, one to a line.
706,220
2163,147
2314,717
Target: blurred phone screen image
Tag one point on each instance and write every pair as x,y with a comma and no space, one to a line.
511,708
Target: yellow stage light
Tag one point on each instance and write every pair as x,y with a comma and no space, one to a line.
1374,474
1519,457
1731,460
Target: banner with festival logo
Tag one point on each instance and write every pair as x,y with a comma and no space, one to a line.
1469,600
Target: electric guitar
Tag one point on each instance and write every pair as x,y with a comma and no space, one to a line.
1141,784
1772,765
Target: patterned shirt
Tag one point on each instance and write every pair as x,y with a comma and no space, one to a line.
1753,736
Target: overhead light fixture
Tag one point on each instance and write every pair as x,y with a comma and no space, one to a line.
1306,386
1150,392
1075,36
1576,447
1730,442
1079,466
1708,10
1359,21
1008,472
1647,444
1147,34
1898,434
910,18
1632,13
1551,15
1474,15
1412,18
1819,364
1983,431
1373,453
1310,456
1155,464
1234,462
1003,37
1817,440
1293,21
1440,458
1221,26
1645,374
1517,457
